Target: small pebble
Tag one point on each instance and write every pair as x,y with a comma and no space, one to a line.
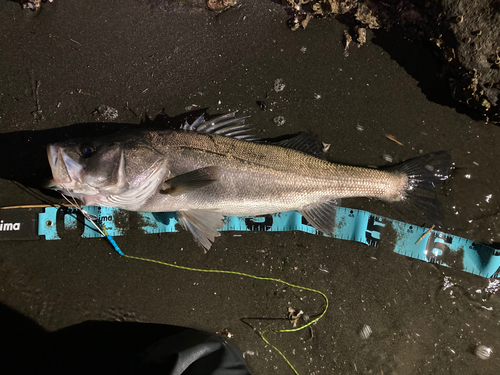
108,113
280,120
279,85
484,352
262,105
365,332
387,157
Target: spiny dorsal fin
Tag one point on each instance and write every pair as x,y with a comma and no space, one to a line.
305,142
226,125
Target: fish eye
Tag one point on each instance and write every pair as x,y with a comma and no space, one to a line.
87,151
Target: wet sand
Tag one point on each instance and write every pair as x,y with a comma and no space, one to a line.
61,63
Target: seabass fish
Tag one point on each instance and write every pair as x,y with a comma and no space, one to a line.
210,169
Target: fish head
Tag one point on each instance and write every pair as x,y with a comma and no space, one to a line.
112,171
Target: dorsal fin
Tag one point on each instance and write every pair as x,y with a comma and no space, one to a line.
226,125
305,142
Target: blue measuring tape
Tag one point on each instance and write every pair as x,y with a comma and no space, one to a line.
354,225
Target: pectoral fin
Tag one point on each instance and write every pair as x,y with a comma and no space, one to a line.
190,181
202,224
321,216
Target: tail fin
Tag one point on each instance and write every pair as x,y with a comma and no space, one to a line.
425,174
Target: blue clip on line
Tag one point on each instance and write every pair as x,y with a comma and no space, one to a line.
353,225
112,241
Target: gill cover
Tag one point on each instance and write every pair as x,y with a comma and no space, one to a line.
64,169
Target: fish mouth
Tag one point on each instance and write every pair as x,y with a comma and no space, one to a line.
64,169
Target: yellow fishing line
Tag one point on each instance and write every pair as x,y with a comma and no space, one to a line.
239,274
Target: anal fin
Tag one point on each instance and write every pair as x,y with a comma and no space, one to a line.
321,215
202,224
